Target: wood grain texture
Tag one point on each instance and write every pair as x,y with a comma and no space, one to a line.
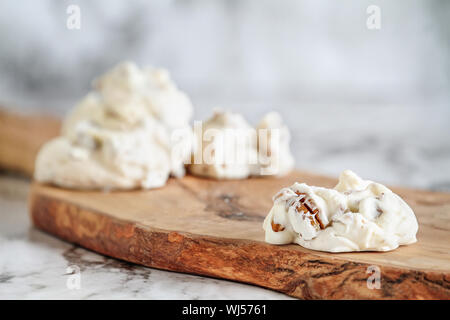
214,228
21,136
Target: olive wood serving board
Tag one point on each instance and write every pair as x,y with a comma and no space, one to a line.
21,136
214,228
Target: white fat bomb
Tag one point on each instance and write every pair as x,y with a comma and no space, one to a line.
357,215
275,157
126,94
132,131
226,148
98,158
229,148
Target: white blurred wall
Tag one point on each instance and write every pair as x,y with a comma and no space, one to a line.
223,52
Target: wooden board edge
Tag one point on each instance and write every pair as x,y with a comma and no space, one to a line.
305,276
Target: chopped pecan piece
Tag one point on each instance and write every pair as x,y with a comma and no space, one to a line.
308,208
277,227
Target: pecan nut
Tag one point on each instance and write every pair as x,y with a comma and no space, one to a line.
306,206
277,227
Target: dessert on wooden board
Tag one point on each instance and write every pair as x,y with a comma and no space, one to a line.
133,131
357,215
119,135
212,226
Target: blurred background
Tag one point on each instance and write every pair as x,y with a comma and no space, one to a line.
374,101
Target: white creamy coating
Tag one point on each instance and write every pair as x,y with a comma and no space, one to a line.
120,135
225,148
357,215
230,148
